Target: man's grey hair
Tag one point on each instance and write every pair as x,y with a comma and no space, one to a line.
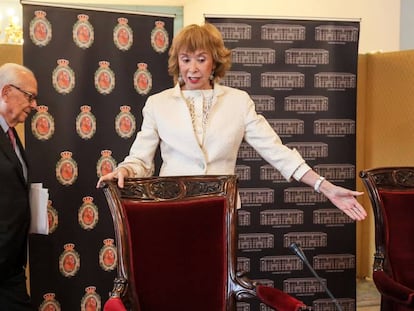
9,73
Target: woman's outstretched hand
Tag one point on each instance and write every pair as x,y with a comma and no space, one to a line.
344,199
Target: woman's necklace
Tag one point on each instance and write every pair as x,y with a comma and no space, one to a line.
199,104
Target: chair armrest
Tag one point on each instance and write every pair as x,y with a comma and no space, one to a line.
392,289
278,300
114,304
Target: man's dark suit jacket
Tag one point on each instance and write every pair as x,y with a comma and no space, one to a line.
14,210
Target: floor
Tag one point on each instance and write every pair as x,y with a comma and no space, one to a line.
368,298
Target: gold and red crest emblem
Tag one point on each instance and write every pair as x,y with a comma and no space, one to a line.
88,215
52,217
142,79
85,123
83,33
63,77
106,163
104,78
159,37
40,29
107,255
91,301
43,124
69,261
49,303
66,169
123,35
125,124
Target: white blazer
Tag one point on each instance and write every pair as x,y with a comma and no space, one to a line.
232,118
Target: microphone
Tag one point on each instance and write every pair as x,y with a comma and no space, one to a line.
299,252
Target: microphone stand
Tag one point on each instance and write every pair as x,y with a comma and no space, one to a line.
299,252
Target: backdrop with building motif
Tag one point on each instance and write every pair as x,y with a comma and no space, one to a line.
95,70
301,75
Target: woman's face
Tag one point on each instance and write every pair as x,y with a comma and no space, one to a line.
195,69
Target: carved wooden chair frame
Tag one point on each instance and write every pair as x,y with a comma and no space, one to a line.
156,189
379,182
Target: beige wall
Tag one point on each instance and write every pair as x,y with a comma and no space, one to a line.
380,19
13,54
375,33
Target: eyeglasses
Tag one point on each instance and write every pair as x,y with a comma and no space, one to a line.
30,96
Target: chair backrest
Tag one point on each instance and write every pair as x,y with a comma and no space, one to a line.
176,242
391,192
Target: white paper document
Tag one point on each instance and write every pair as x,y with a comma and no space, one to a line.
39,198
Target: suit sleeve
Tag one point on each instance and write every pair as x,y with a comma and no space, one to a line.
141,155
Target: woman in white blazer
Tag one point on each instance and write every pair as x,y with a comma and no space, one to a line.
200,124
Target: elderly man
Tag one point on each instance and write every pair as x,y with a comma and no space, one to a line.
18,91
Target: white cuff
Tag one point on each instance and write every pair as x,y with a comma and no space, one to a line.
300,171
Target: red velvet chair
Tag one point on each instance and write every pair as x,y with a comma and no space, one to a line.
391,191
176,244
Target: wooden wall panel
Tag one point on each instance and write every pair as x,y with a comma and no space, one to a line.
385,128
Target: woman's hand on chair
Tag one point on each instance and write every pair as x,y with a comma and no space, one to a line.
120,173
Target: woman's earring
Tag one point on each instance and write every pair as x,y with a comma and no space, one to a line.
211,76
180,79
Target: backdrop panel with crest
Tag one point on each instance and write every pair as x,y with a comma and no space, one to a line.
95,70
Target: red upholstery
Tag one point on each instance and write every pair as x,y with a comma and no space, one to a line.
114,304
399,226
391,289
277,299
174,252
398,208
